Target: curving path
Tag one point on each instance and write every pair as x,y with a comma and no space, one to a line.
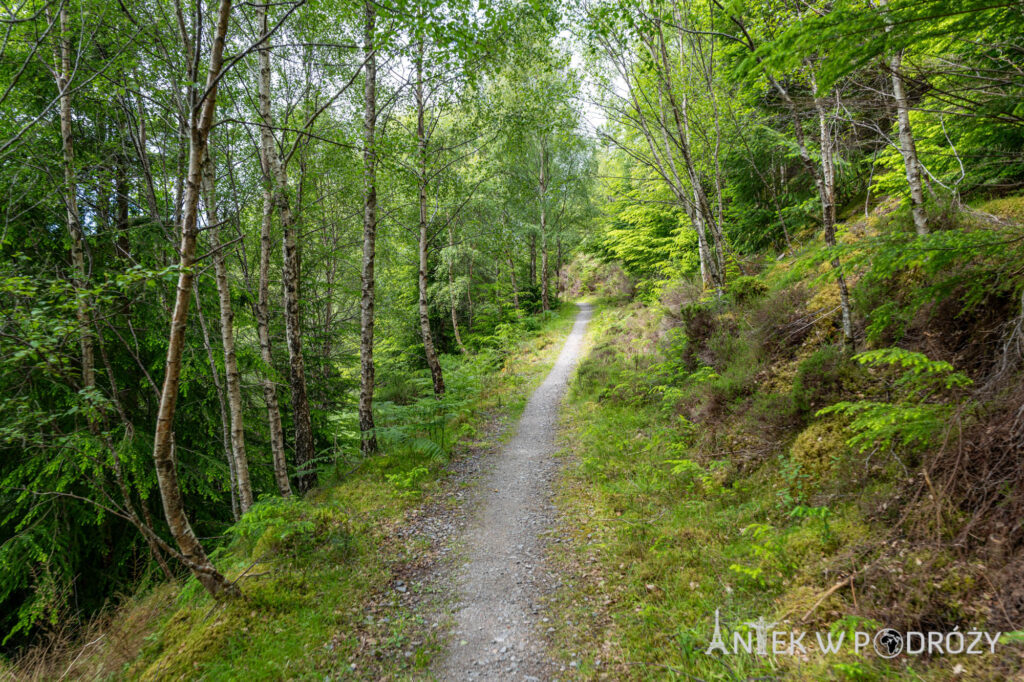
495,636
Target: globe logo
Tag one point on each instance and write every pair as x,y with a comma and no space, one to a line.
888,643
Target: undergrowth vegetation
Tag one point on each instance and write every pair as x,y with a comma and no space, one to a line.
732,455
319,572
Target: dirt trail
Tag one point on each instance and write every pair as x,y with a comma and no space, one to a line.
495,634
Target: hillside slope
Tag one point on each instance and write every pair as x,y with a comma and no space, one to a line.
732,456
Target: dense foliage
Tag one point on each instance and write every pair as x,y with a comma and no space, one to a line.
102,110
248,248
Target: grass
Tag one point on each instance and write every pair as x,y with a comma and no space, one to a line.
670,519
318,574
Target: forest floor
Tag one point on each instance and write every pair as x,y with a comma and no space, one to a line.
502,582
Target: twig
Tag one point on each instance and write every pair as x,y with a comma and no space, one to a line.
845,581
72,664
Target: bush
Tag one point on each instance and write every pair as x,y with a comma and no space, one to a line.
745,289
824,377
289,526
400,388
699,324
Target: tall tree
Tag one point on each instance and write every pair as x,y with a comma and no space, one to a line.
239,460
366,303
422,181
202,117
63,73
291,280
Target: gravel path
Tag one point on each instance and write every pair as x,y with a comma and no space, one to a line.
495,636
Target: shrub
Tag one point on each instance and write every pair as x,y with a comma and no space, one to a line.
289,526
823,377
699,324
915,419
745,289
400,388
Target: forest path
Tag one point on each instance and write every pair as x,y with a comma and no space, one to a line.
499,586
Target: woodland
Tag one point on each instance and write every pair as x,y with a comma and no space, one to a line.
268,269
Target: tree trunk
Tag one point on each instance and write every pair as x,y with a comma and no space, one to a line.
469,292
533,260
680,115
263,333
225,423
542,192
163,442
366,384
305,466
122,247
262,309
227,333
515,286
825,194
71,204
558,268
306,475
716,245
707,266
145,528
421,145
907,147
703,254
827,188
451,291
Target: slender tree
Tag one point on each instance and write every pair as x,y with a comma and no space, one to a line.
239,459
366,313
422,181
305,465
202,117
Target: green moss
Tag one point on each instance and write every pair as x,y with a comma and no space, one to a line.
1008,208
815,453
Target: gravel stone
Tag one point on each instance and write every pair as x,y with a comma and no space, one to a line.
504,576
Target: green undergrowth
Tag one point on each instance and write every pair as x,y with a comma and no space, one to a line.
319,574
733,456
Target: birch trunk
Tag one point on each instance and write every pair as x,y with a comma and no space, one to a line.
306,475
533,260
908,149
263,333
558,268
225,423
680,116
63,73
262,311
436,374
827,188
453,301
515,286
707,267
227,334
366,383
542,191
163,442
469,292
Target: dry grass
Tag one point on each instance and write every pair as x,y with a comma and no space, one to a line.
99,650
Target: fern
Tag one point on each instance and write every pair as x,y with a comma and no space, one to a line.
915,419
